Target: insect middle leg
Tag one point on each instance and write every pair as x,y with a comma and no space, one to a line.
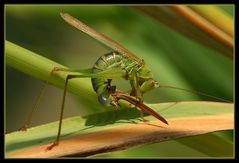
36,104
115,73
71,76
56,142
38,99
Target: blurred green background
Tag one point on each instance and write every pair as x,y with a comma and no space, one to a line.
173,58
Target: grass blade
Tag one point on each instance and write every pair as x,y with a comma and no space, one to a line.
191,118
191,24
200,146
210,144
216,16
205,25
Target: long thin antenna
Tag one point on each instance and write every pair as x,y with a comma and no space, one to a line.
194,92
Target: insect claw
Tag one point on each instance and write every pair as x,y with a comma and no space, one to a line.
115,104
144,120
52,146
23,128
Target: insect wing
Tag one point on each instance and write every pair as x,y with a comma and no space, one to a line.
98,36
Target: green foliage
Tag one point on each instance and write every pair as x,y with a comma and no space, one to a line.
43,134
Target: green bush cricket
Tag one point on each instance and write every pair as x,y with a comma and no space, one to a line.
121,63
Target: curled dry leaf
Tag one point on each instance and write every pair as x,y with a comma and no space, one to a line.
192,118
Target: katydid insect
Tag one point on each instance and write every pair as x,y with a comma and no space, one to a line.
121,63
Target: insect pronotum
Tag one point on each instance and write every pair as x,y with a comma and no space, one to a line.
120,63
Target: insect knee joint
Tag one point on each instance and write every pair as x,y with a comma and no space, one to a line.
70,77
55,69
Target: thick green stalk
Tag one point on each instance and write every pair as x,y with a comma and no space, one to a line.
41,67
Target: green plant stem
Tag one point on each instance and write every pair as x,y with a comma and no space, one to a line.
41,67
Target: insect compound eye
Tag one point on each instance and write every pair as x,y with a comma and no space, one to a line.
106,101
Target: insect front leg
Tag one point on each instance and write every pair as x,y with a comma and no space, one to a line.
145,87
134,81
136,91
148,85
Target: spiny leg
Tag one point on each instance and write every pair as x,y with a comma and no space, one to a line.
115,73
56,142
102,74
34,108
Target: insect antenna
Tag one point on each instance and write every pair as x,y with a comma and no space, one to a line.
194,92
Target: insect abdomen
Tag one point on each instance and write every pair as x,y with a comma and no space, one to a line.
101,64
111,60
